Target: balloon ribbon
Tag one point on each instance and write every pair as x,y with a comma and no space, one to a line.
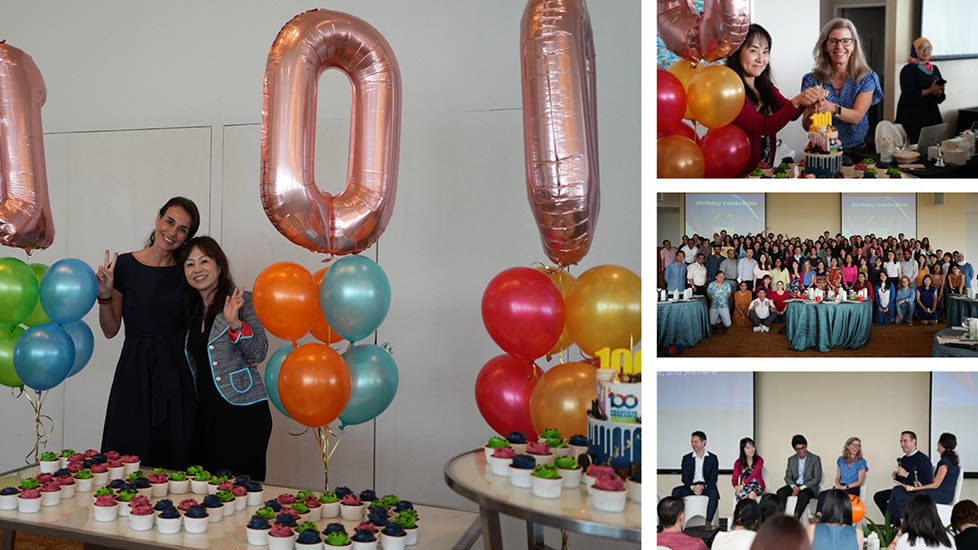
43,427
323,433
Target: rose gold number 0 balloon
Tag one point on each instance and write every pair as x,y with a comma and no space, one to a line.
25,210
306,46
560,126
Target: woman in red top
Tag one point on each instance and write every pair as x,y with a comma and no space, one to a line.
765,110
780,298
747,479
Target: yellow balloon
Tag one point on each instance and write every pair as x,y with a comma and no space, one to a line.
679,157
604,308
564,282
562,397
685,71
715,96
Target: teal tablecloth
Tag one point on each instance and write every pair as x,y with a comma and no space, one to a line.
827,326
959,307
943,350
682,323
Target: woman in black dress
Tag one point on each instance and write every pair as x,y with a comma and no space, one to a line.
225,343
150,412
921,91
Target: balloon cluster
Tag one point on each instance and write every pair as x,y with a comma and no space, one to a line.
532,312
709,95
51,303
312,383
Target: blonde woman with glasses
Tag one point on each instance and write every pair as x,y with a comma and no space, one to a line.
850,473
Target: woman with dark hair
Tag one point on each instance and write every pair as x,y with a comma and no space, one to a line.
874,272
835,273
225,343
937,277
862,283
834,531
795,274
885,297
927,302
150,411
765,110
964,523
781,533
921,91
770,506
746,519
747,479
852,86
941,489
849,272
922,528
850,473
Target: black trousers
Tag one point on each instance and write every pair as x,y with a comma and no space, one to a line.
804,496
882,500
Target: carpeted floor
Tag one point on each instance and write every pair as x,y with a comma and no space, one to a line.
888,341
28,541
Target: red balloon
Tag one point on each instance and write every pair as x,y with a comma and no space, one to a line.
670,100
314,384
502,393
726,151
683,129
523,311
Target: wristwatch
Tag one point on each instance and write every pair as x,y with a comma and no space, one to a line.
838,110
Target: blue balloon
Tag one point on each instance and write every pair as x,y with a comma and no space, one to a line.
355,297
373,383
271,376
84,340
43,356
68,290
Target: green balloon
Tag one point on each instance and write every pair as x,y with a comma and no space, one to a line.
18,291
37,316
8,339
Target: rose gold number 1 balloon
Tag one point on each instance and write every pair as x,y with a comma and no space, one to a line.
560,126
306,46
25,211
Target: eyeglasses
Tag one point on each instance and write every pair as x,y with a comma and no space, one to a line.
925,48
843,41
801,448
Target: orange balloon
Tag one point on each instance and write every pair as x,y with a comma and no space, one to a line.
314,384
320,327
604,308
679,157
285,298
715,96
858,509
685,71
564,282
562,397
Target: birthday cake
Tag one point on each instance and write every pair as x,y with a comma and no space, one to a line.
614,423
823,154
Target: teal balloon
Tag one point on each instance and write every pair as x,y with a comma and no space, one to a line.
43,356
37,316
355,297
271,376
68,290
373,383
18,291
8,340
84,340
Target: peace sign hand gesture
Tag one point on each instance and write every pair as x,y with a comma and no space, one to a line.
232,305
106,275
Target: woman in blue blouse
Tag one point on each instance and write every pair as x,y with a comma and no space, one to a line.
941,489
905,297
852,86
850,471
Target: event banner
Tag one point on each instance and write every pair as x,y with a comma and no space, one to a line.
708,213
880,215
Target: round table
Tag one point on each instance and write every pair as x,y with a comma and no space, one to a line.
959,307
824,326
684,323
470,476
945,350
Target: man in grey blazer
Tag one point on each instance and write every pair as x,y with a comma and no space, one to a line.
802,476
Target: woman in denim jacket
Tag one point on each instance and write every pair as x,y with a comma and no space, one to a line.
225,343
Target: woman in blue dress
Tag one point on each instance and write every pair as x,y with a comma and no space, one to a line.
941,489
885,298
926,302
852,86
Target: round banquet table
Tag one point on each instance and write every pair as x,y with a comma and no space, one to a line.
846,325
684,323
959,307
945,350
470,476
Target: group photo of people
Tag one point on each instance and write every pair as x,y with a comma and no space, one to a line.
758,122
853,485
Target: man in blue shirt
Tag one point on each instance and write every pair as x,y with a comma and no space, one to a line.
745,269
676,273
713,262
719,293
966,269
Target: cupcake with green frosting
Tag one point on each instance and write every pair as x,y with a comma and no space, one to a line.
570,470
331,505
494,443
547,481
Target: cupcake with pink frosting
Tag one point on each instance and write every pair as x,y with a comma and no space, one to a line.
240,497
351,508
158,484
540,452
67,483
500,460
100,474
131,462
29,501
51,493
117,469
106,507
140,516
595,471
608,493
280,537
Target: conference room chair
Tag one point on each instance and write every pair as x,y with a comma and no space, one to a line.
789,508
944,510
696,506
